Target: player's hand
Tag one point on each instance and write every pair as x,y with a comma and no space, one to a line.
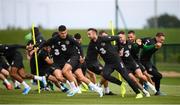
121,52
139,42
81,60
158,45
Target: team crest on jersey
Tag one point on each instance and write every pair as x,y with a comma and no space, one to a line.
52,46
103,44
59,43
109,37
67,42
147,41
96,48
6,48
129,46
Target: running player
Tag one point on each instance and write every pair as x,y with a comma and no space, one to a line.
135,51
124,48
146,55
30,52
17,71
111,59
67,48
45,64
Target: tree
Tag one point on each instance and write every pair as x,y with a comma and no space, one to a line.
164,21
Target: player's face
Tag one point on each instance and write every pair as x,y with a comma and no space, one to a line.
79,40
122,38
160,39
63,34
91,34
131,37
48,49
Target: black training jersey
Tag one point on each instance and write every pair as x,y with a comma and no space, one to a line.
107,50
126,50
147,53
64,47
135,50
8,50
92,54
42,55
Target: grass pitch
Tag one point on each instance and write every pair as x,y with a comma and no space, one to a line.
170,86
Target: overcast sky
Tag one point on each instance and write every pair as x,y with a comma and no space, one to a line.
81,13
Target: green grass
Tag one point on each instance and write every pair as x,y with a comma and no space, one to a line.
168,66
17,36
169,85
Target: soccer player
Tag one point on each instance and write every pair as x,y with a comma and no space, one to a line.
30,52
111,59
67,48
146,55
45,64
17,71
124,48
135,51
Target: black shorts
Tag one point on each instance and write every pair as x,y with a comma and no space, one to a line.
74,62
33,65
58,65
4,65
143,69
84,68
95,67
49,71
17,62
59,62
131,66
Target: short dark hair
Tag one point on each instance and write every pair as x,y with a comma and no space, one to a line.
92,29
102,31
62,28
160,34
120,32
77,36
131,31
45,44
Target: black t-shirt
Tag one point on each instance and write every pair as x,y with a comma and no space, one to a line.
11,53
64,47
106,49
92,54
126,49
147,54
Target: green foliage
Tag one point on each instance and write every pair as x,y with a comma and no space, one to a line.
164,21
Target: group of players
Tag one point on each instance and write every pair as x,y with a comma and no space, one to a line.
61,61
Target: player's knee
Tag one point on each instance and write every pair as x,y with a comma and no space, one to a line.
81,78
65,72
12,74
23,76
